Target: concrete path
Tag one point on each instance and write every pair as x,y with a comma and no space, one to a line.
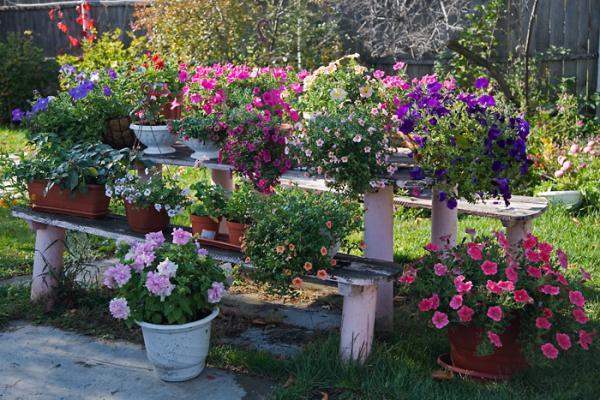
38,362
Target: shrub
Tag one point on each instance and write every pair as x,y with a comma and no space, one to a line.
23,70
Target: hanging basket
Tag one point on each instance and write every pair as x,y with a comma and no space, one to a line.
118,134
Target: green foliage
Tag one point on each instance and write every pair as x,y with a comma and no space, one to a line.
303,33
70,168
190,278
108,51
294,233
210,200
205,128
23,70
240,204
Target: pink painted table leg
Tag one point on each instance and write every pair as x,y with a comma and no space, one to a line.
379,242
358,321
444,222
517,230
47,261
224,179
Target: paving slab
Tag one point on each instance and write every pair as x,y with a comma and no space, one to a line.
39,362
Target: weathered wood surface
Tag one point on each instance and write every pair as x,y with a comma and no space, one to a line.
351,270
521,207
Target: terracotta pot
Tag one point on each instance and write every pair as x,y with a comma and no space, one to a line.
204,226
236,231
174,113
145,220
92,204
504,362
118,134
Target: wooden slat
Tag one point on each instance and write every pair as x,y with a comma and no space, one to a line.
351,269
520,208
557,26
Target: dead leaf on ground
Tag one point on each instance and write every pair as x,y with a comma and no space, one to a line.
442,375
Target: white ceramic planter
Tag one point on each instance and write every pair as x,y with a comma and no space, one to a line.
178,352
569,198
203,150
157,139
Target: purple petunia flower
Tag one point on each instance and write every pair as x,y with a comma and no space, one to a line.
417,173
216,292
451,203
111,73
181,237
17,115
118,308
442,196
106,90
482,83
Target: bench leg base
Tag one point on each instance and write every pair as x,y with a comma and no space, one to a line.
358,321
444,223
517,230
222,178
47,262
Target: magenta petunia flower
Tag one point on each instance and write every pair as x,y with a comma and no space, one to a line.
534,272
440,269
521,296
543,323
576,298
474,251
563,340
580,316
439,319
585,340
456,302
549,351
495,313
489,267
550,290
465,313
562,258
494,338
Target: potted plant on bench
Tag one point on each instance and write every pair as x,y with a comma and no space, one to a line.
505,306
157,100
67,181
170,289
149,203
238,211
296,233
204,134
207,210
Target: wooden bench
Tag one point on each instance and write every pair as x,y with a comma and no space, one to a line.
357,278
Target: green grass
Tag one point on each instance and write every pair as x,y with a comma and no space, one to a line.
16,246
12,140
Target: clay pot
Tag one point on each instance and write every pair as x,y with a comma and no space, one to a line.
236,231
504,362
91,204
174,113
118,134
146,220
204,226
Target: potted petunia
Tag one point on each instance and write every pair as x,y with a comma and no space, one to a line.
151,202
204,134
238,211
297,233
207,209
171,289
65,181
157,100
505,307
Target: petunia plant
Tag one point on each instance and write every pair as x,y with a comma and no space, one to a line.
471,144
164,282
491,284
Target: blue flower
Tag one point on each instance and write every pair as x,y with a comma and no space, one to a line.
417,174
106,90
401,111
439,173
451,203
442,196
419,140
497,167
482,83
487,100
17,115
41,104
111,73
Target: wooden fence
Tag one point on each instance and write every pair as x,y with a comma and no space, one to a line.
571,24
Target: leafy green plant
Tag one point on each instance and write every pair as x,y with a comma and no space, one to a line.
159,192
210,200
204,128
295,233
240,204
23,71
165,283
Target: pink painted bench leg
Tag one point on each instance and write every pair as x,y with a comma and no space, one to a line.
517,230
444,222
379,242
47,261
224,179
358,321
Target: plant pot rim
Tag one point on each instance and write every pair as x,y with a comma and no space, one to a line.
134,126
179,327
45,181
559,192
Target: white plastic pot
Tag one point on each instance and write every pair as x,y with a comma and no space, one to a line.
178,352
203,150
157,139
569,198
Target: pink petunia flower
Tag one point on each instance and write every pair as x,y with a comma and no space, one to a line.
549,351
489,267
432,248
378,74
118,276
495,313
521,296
576,298
493,287
532,256
512,274
585,276
456,302
398,65
530,241
215,292
585,340
542,323
550,290
580,316
534,272
440,269
181,237
465,313
439,319
494,338
461,286
563,340
118,308
506,286
474,251
562,258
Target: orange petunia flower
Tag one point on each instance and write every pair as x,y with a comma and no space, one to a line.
329,224
333,262
280,249
307,266
322,274
323,251
291,247
297,282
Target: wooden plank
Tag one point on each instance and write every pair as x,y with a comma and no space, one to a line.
351,270
582,44
571,32
521,208
557,27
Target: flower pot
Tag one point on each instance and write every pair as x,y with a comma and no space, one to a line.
91,204
504,362
205,226
157,139
568,198
178,352
146,220
203,150
118,134
236,231
172,113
